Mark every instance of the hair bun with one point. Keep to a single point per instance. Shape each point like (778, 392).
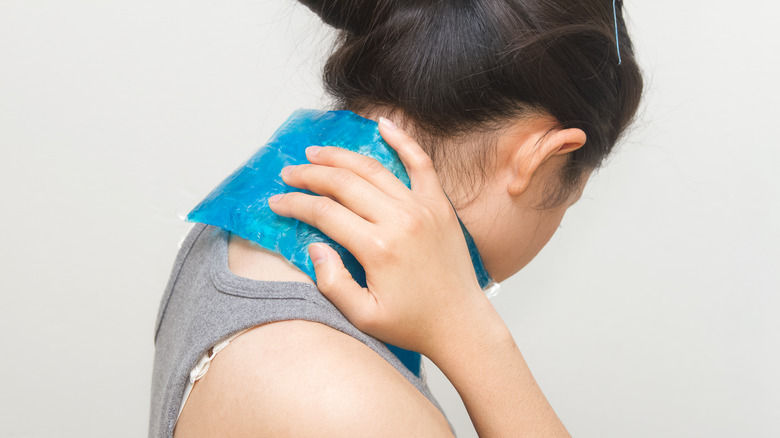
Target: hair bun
(356, 16)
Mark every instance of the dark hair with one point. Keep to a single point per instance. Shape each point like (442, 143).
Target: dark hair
(459, 67)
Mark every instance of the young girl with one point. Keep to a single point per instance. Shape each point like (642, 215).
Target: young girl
(504, 108)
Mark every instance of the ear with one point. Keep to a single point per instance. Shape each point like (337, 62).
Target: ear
(536, 150)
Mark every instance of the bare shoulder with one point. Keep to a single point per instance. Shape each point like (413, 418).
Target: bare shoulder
(250, 260)
(299, 378)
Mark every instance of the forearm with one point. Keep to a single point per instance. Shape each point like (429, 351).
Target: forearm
(484, 364)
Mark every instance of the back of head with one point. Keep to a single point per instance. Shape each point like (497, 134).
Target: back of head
(457, 68)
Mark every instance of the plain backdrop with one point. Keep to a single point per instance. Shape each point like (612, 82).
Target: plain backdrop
(653, 312)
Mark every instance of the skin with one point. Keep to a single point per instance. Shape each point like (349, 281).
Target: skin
(507, 228)
(264, 380)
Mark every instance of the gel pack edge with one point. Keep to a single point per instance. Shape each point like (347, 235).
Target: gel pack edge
(239, 204)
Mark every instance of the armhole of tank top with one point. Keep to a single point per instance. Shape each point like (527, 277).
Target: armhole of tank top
(227, 282)
(201, 368)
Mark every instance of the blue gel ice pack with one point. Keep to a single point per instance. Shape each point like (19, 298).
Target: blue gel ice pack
(240, 203)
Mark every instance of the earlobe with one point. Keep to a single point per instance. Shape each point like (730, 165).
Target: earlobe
(519, 184)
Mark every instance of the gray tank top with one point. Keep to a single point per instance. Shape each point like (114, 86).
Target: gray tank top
(205, 303)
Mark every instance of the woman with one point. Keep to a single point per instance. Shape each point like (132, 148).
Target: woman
(505, 108)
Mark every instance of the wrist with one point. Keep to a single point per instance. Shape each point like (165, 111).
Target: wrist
(469, 331)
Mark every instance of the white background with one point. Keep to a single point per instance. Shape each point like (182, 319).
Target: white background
(652, 312)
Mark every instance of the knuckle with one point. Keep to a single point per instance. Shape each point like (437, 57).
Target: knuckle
(321, 208)
(410, 222)
(423, 161)
(382, 247)
(341, 178)
(373, 167)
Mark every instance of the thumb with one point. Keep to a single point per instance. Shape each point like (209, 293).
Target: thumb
(338, 286)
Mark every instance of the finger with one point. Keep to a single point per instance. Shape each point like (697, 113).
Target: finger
(418, 164)
(336, 283)
(366, 167)
(350, 190)
(336, 221)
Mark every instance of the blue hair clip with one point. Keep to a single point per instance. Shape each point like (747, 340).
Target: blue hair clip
(617, 38)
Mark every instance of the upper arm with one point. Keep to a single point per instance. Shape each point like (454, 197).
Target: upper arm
(298, 378)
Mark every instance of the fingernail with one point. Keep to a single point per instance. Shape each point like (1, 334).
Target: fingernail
(286, 170)
(387, 122)
(275, 198)
(312, 150)
(317, 254)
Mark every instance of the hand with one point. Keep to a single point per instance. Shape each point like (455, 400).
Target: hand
(419, 274)
(422, 293)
